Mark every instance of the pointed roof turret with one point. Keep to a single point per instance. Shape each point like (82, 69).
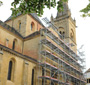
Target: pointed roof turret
(52, 17)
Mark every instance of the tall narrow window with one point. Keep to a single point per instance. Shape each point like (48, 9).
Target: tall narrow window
(19, 26)
(10, 70)
(32, 77)
(13, 47)
(14, 44)
(32, 26)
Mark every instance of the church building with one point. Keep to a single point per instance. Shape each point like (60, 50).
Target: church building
(32, 54)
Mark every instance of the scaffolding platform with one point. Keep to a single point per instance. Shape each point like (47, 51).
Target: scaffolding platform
(60, 41)
(55, 56)
(53, 68)
(53, 79)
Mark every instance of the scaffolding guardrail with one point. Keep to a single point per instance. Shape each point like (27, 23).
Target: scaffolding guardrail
(51, 45)
(62, 65)
(60, 71)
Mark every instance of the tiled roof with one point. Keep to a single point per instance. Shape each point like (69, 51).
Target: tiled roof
(10, 28)
(88, 71)
(34, 15)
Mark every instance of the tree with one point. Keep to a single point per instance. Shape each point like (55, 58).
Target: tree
(86, 10)
(1, 3)
(35, 6)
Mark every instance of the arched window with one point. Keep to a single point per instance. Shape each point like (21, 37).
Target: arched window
(32, 26)
(10, 70)
(62, 32)
(14, 44)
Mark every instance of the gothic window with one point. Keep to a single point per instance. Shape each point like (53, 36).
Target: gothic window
(10, 70)
(32, 26)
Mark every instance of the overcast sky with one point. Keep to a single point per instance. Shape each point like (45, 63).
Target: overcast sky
(83, 24)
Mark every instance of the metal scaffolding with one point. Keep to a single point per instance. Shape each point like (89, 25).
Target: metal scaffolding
(57, 62)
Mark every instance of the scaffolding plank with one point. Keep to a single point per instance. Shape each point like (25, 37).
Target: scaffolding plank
(65, 45)
(57, 69)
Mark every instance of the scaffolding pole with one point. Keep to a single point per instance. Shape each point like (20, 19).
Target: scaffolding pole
(60, 67)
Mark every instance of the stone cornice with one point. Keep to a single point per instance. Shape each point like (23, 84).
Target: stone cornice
(4, 48)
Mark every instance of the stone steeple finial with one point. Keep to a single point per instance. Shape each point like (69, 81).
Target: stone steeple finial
(51, 17)
(66, 10)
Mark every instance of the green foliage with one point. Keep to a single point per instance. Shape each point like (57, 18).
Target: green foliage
(86, 10)
(1, 3)
(35, 6)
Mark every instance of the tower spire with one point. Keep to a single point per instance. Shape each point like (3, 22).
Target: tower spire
(66, 10)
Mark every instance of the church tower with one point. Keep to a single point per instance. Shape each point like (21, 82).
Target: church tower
(25, 24)
(66, 26)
